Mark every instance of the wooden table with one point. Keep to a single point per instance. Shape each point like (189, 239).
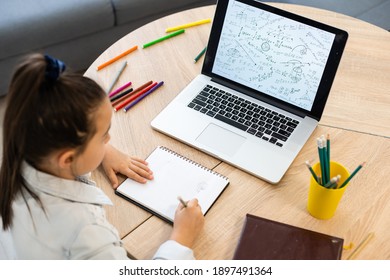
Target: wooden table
(357, 117)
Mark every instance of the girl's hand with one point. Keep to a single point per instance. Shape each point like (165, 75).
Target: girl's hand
(188, 223)
(134, 168)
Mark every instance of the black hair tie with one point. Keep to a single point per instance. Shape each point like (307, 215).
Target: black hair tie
(54, 68)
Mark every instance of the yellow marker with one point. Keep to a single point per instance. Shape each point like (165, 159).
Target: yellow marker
(199, 22)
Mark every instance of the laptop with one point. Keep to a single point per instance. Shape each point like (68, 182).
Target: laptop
(264, 83)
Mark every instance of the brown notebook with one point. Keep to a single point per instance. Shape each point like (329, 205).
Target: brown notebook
(263, 239)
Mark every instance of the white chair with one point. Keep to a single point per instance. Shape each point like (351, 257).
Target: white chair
(7, 251)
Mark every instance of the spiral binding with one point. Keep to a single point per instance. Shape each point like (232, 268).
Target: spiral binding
(193, 162)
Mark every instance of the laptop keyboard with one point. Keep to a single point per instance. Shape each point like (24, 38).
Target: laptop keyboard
(243, 114)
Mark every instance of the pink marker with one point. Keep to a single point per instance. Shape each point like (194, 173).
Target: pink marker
(119, 89)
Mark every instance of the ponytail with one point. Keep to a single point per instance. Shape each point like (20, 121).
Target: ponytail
(47, 110)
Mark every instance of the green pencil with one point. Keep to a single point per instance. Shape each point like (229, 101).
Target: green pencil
(333, 182)
(328, 152)
(353, 174)
(163, 38)
(328, 146)
(322, 162)
(326, 162)
(312, 172)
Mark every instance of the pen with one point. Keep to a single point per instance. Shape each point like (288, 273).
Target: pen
(119, 89)
(200, 55)
(133, 97)
(182, 201)
(199, 22)
(116, 102)
(163, 38)
(143, 96)
(116, 58)
(353, 174)
(116, 97)
(117, 76)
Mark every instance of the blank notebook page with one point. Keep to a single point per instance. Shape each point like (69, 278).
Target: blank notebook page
(174, 176)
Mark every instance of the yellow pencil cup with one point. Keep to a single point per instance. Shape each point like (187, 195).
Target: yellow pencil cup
(322, 202)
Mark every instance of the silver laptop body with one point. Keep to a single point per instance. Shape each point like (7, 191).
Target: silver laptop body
(277, 64)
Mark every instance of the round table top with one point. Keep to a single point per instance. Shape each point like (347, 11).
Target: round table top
(356, 115)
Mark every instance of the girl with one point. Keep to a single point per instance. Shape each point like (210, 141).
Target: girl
(56, 130)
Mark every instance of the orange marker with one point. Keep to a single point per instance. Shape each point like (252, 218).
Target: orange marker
(116, 58)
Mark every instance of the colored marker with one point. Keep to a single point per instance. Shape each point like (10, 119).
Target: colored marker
(353, 174)
(116, 102)
(191, 24)
(119, 89)
(120, 95)
(116, 58)
(117, 76)
(200, 55)
(163, 38)
(133, 97)
(143, 96)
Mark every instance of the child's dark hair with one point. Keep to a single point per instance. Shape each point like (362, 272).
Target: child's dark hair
(45, 112)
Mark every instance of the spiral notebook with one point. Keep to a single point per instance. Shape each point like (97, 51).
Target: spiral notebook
(174, 175)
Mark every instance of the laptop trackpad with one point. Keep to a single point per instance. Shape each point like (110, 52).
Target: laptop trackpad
(221, 139)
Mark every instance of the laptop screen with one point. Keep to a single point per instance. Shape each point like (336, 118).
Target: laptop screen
(275, 53)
